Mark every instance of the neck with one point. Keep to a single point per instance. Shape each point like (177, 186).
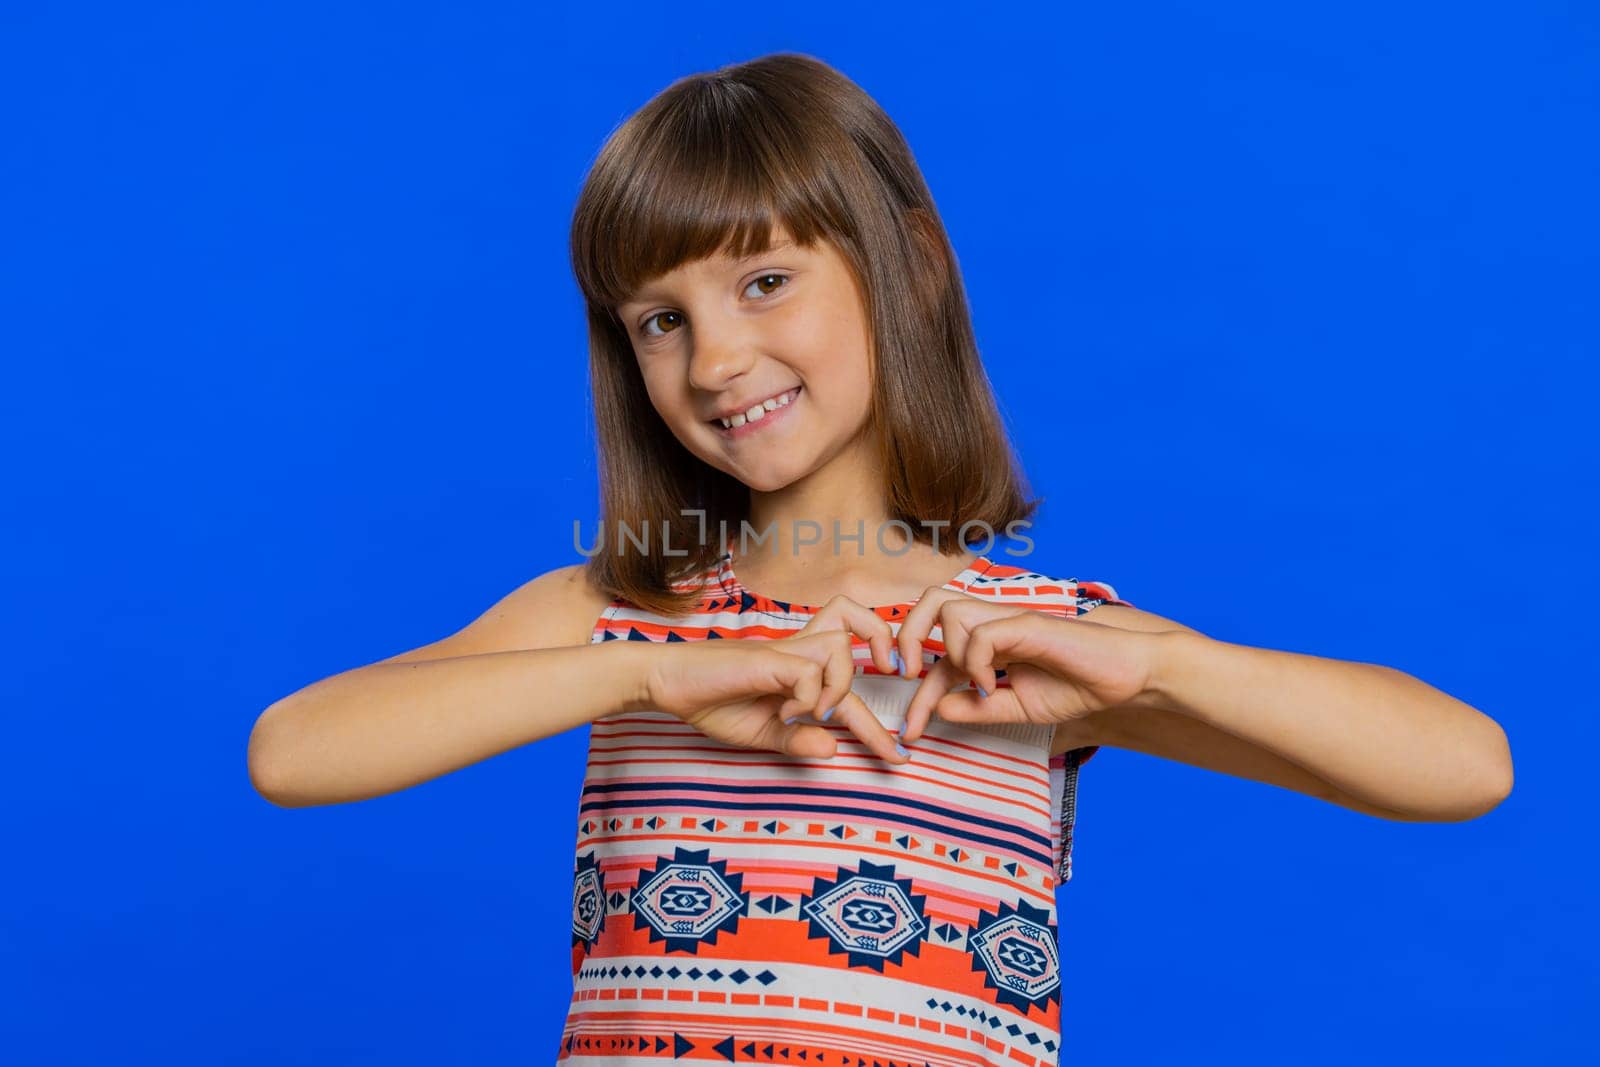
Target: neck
(834, 522)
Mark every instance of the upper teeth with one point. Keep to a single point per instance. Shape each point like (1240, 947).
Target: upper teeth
(757, 412)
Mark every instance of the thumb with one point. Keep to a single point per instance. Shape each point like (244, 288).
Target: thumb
(805, 740)
(965, 705)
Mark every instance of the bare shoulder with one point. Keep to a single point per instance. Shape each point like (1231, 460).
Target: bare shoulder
(556, 609)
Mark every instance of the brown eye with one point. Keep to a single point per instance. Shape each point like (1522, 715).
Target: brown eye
(645, 329)
(780, 279)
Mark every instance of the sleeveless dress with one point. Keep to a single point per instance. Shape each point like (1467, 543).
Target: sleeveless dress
(735, 905)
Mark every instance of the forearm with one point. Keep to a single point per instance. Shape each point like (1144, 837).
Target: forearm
(1376, 733)
(386, 727)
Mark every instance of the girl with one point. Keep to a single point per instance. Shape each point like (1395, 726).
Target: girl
(814, 830)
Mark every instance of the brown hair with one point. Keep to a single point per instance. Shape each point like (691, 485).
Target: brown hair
(710, 163)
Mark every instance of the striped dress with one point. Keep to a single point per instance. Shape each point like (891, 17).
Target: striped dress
(733, 905)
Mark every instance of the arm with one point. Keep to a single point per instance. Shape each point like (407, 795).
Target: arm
(487, 689)
(1361, 735)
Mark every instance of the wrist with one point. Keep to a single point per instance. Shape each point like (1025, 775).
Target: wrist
(1172, 662)
(631, 670)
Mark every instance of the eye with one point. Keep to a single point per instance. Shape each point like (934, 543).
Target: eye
(778, 281)
(645, 326)
(780, 278)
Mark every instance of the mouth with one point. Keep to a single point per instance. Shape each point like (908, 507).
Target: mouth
(762, 416)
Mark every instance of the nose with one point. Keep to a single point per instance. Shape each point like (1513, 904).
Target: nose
(719, 356)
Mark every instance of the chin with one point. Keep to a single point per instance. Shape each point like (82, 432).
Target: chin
(771, 477)
(767, 485)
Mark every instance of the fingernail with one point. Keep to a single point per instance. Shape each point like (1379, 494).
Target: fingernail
(894, 660)
(786, 722)
(982, 692)
(900, 731)
(901, 749)
(825, 714)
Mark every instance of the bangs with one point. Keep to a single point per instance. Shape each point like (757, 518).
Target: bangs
(713, 169)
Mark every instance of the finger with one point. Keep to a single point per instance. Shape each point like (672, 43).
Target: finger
(875, 630)
(797, 676)
(952, 635)
(856, 717)
(918, 626)
(961, 616)
(941, 678)
(1023, 637)
(883, 649)
(915, 629)
(838, 672)
(979, 652)
(965, 705)
(855, 618)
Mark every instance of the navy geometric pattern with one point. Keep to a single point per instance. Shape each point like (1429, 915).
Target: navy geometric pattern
(739, 976)
(868, 914)
(588, 901)
(687, 900)
(1016, 950)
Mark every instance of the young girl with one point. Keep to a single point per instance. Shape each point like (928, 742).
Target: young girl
(834, 747)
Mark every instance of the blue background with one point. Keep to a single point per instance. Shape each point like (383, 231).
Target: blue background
(1292, 315)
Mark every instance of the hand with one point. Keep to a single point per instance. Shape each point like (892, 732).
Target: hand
(836, 621)
(1057, 669)
(739, 691)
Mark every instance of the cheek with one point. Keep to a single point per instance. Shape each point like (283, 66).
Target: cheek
(846, 374)
(831, 344)
(665, 391)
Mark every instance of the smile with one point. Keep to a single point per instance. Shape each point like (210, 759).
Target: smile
(770, 410)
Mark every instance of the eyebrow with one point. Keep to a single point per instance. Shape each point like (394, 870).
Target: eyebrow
(647, 294)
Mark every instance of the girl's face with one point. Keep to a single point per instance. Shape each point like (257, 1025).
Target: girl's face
(784, 331)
